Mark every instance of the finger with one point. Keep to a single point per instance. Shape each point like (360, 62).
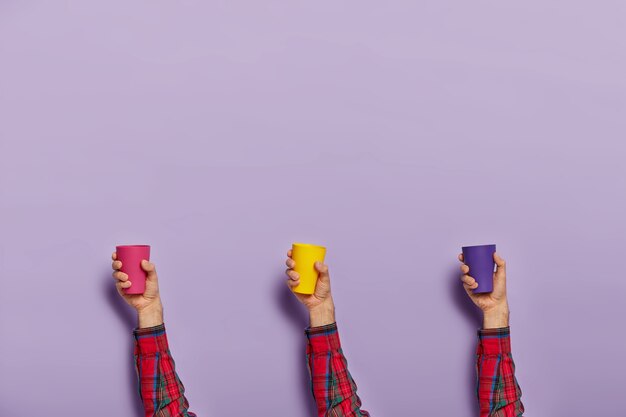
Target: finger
(289, 253)
(116, 265)
(149, 268)
(114, 256)
(461, 258)
(120, 276)
(290, 263)
(464, 269)
(468, 280)
(322, 268)
(501, 263)
(123, 285)
(499, 277)
(292, 284)
(470, 289)
(293, 275)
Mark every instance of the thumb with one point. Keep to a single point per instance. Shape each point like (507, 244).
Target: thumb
(322, 287)
(499, 277)
(500, 266)
(150, 270)
(322, 268)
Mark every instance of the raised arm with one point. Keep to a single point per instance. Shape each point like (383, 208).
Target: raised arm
(162, 392)
(499, 394)
(332, 385)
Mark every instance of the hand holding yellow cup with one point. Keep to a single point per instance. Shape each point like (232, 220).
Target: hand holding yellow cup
(305, 256)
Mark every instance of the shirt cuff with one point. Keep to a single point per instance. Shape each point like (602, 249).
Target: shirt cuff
(494, 341)
(323, 338)
(150, 340)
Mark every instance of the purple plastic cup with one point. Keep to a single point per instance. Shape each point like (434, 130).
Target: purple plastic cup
(481, 265)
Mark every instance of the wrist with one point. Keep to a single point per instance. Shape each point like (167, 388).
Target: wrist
(323, 314)
(496, 317)
(150, 316)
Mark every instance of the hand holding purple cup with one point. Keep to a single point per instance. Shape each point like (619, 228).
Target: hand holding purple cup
(481, 265)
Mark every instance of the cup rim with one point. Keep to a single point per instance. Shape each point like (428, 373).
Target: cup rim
(308, 245)
(132, 246)
(478, 246)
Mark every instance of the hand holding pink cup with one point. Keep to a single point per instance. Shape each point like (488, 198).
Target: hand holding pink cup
(131, 257)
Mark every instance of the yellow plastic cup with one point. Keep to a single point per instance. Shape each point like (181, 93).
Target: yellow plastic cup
(305, 256)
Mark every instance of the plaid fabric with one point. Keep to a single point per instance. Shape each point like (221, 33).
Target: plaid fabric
(160, 389)
(332, 385)
(333, 388)
(499, 394)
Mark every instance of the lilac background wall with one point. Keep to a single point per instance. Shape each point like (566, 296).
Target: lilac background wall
(220, 132)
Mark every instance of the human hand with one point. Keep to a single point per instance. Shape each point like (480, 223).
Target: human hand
(319, 304)
(494, 305)
(148, 305)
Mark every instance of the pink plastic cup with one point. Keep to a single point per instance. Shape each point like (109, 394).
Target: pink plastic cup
(131, 257)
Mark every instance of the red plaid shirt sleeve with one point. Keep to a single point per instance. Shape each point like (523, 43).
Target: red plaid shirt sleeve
(160, 389)
(499, 394)
(333, 388)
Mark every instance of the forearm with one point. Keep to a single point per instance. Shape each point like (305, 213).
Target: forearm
(322, 315)
(497, 317)
(161, 390)
(151, 316)
(499, 393)
(334, 390)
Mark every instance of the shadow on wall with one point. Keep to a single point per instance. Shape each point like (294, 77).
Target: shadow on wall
(127, 316)
(297, 316)
(474, 319)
